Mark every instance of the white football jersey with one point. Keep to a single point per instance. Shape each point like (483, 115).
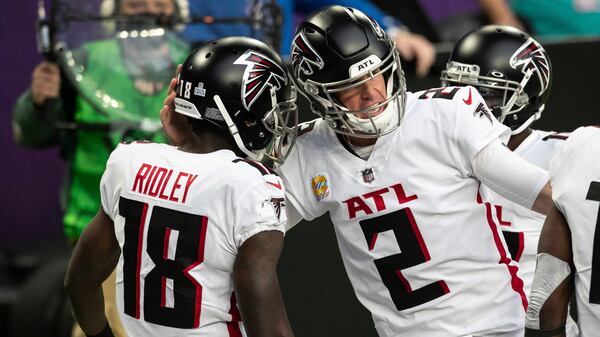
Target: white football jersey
(180, 219)
(575, 173)
(521, 226)
(421, 250)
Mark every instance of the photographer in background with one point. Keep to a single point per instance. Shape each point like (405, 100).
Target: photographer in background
(117, 85)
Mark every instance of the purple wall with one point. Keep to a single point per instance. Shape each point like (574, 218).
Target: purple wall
(438, 10)
(29, 179)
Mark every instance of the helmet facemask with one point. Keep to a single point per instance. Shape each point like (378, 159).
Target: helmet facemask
(353, 122)
(246, 95)
(504, 97)
(279, 121)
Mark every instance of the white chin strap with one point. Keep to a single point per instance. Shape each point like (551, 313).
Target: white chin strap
(234, 131)
(377, 124)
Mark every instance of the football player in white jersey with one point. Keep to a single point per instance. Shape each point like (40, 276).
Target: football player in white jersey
(196, 230)
(513, 74)
(569, 246)
(399, 174)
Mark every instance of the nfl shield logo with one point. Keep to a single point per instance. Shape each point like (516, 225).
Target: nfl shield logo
(199, 90)
(368, 175)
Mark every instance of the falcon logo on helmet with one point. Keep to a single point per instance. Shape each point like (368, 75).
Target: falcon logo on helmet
(304, 57)
(260, 72)
(532, 57)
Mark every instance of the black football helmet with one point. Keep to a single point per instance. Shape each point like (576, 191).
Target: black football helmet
(241, 85)
(510, 69)
(339, 48)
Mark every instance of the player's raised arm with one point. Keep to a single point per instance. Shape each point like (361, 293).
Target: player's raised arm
(553, 282)
(492, 59)
(257, 287)
(94, 258)
(543, 202)
(513, 177)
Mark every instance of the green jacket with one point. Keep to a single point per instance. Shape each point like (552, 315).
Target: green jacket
(88, 149)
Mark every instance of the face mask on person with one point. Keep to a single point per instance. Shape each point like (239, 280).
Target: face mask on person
(142, 21)
(146, 56)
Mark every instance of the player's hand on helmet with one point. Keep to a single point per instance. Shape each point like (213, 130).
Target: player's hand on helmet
(45, 82)
(415, 47)
(176, 126)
